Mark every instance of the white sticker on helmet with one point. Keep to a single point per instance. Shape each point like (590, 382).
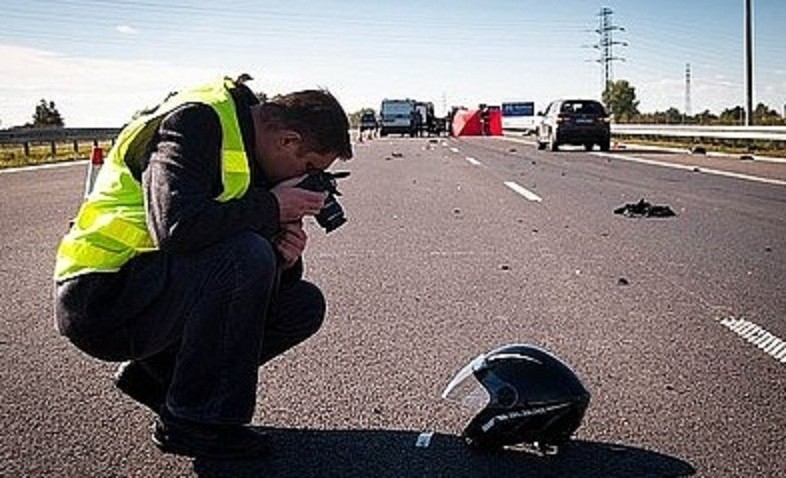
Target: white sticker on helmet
(530, 412)
(424, 439)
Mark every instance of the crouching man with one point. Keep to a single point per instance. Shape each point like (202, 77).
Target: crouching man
(185, 260)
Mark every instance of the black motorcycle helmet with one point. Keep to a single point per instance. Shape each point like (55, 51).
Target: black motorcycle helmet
(524, 395)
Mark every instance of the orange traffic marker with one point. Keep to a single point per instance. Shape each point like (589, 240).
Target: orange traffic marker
(96, 161)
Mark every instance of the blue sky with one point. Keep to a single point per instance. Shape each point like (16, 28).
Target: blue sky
(101, 60)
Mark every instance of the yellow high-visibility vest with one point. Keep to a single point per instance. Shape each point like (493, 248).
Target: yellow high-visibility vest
(111, 225)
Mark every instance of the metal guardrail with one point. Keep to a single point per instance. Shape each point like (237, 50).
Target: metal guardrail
(771, 133)
(54, 136)
(767, 133)
(45, 135)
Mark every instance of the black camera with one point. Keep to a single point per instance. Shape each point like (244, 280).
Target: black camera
(331, 216)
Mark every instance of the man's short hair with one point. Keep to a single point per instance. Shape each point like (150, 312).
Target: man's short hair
(316, 115)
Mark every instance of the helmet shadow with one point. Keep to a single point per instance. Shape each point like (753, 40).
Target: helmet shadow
(393, 453)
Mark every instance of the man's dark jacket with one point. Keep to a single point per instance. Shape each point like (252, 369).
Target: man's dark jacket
(180, 171)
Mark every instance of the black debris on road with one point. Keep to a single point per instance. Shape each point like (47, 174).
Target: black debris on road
(644, 209)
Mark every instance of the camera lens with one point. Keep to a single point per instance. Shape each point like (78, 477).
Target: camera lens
(331, 216)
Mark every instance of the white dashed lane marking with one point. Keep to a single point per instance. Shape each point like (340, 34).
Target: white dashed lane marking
(529, 195)
(472, 161)
(758, 336)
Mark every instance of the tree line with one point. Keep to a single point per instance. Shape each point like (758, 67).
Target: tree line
(620, 99)
(46, 116)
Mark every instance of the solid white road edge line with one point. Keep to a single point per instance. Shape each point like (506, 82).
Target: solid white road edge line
(716, 172)
(523, 191)
(62, 164)
(758, 336)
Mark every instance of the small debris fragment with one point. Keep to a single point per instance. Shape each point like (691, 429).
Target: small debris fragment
(396, 154)
(746, 157)
(512, 150)
(534, 231)
(504, 267)
(698, 150)
(768, 249)
(456, 211)
(623, 281)
(377, 410)
(696, 170)
(644, 209)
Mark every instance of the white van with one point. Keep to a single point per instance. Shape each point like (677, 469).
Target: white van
(397, 117)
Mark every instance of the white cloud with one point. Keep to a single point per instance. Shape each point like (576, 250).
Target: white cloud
(126, 30)
(87, 91)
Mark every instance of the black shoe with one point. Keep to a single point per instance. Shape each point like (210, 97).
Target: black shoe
(201, 440)
(137, 383)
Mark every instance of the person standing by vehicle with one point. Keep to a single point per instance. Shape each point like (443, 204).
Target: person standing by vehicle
(185, 260)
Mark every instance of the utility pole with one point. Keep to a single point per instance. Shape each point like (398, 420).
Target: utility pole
(444, 103)
(606, 44)
(748, 63)
(688, 112)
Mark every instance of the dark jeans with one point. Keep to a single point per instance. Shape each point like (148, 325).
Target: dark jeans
(201, 324)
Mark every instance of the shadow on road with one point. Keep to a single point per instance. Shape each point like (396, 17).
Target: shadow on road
(387, 453)
(633, 149)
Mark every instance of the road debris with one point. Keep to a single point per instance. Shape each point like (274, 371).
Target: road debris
(644, 209)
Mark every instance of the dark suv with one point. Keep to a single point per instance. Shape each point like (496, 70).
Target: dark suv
(577, 122)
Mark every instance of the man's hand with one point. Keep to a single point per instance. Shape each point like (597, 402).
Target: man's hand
(290, 242)
(295, 202)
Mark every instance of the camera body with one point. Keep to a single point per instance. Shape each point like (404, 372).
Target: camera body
(331, 217)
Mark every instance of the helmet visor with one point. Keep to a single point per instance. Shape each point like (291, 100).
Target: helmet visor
(465, 388)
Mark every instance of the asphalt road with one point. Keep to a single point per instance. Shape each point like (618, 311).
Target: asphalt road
(444, 258)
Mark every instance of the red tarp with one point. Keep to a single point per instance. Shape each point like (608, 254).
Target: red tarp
(470, 122)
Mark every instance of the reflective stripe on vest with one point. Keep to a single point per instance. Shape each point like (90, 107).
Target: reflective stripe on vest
(111, 226)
